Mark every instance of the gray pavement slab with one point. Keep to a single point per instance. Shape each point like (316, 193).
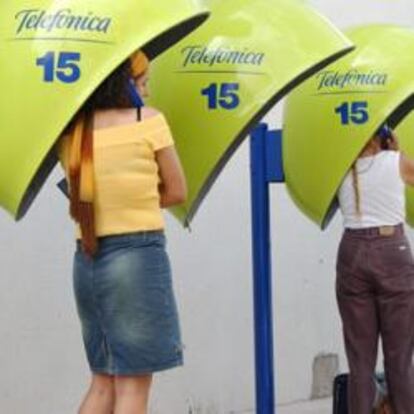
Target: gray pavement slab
(322, 406)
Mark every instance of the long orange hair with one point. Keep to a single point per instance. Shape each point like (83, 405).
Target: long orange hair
(81, 180)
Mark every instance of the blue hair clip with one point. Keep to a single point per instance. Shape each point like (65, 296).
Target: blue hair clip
(384, 132)
(385, 135)
(134, 95)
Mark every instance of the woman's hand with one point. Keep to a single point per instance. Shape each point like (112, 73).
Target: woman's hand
(393, 143)
(173, 187)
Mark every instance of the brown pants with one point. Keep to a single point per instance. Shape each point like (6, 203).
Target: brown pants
(375, 293)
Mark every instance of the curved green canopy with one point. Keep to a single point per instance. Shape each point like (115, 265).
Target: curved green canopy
(405, 134)
(53, 55)
(218, 82)
(329, 119)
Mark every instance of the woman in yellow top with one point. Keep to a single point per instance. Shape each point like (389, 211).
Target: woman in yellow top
(122, 170)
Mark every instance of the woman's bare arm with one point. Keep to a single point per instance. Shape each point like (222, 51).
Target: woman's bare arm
(407, 169)
(406, 163)
(173, 187)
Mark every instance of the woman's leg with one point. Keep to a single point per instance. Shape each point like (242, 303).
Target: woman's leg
(100, 398)
(357, 306)
(360, 331)
(132, 394)
(396, 304)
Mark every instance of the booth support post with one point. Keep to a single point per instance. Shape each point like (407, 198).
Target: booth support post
(265, 167)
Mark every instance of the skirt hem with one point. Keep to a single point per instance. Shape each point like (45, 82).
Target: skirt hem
(141, 371)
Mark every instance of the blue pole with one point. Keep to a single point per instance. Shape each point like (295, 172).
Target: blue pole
(262, 286)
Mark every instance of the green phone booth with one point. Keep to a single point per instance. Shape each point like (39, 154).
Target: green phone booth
(218, 82)
(329, 118)
(54, 54)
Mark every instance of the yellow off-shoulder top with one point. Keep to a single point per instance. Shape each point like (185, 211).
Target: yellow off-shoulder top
(126, 175)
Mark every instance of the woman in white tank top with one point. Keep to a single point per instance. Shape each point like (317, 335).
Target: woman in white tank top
(375, 275)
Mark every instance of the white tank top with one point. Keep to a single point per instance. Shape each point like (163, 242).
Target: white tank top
(381, 189)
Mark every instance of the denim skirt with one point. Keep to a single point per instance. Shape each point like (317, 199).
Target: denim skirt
(126, 305)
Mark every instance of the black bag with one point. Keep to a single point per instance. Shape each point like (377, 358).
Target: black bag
(340, 394)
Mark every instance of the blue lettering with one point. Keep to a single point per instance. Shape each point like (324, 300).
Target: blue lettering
(33, 19)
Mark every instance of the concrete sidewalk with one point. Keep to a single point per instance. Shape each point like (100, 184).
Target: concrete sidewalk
(323, 406)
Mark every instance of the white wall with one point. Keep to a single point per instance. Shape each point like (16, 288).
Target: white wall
(41, 355)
